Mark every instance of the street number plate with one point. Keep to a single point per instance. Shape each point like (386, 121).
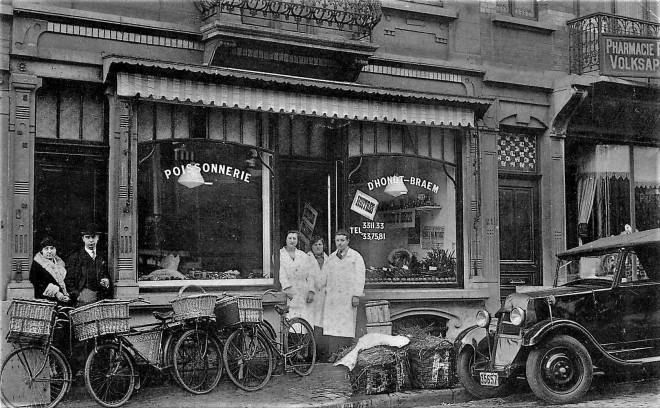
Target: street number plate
(489, 379)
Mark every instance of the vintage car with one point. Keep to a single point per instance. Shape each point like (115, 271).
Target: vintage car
(601, 315)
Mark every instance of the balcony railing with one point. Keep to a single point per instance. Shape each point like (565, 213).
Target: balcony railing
(585, 33)
(356, 16)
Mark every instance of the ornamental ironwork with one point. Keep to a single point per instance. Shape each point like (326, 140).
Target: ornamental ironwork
(356, 16)
(585, 33)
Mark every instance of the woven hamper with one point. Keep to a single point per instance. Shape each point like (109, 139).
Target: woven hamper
(380, 370)
(432, 365)
(30, 320)
(108, 316)
(239, 309)
(194, 306)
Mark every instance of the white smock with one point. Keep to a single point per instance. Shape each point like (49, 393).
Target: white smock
(345, 279)
(320, 281)
(296, 279)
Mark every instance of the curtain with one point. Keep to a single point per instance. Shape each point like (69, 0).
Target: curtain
(586, 193)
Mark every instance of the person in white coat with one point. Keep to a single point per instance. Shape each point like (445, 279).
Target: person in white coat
(318, 257)
(297, 279)
(345, 273)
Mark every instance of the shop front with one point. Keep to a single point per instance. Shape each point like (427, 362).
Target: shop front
(204, 178)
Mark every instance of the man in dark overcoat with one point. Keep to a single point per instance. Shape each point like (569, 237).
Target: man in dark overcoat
(88, 279)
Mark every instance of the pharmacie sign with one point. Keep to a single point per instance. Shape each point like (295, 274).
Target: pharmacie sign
(629, 56)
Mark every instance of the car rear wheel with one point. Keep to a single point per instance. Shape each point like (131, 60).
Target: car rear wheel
(470, 379)
(560, 371)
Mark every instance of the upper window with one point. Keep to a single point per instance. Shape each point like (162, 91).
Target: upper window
(518, 8)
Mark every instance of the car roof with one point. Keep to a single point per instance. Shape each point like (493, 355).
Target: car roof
(607, 244)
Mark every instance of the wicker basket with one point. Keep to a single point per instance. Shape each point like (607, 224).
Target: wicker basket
(147, 344)
(379, 370)
(432, 365)
(107, 316)
(30, 320)
(194, 306)
(239, 309)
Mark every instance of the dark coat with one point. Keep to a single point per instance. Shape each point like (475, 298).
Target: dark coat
(85, 272)
(41, 278)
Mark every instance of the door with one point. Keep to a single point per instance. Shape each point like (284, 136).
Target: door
(306, 194)
(519, 234)
(70, 192)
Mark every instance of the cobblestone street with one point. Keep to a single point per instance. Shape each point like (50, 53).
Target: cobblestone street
(604, 394)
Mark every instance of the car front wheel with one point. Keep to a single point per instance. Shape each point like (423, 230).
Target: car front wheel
(470, 379)
(560, 371)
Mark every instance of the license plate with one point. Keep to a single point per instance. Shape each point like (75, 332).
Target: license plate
(489, 379)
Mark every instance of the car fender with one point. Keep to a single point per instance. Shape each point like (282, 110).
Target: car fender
(542, 330)
(473, 336)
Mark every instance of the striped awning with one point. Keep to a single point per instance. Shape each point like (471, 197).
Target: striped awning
(159, 87)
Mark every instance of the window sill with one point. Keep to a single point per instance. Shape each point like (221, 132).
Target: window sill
(523, 24)
(205, 283)
(418, 8)
(435, 294)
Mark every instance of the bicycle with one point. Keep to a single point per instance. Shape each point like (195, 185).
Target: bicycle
(250, 351)
(37, 373)
(188, 350)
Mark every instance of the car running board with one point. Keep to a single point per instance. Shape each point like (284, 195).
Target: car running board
(645, 360)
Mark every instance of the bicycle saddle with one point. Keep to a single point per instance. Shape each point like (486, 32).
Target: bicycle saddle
(282, 309)
(162, 316)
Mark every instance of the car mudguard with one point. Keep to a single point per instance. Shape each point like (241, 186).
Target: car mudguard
(473, 336)
(547, 328)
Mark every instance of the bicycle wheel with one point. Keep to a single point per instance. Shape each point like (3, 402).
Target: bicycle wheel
(168, 355)
(300, 346)
(248, 359)
(33, 378)
(109, 375)
(197, 361)
(268, 330)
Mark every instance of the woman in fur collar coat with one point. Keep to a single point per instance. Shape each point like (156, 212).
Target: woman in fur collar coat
(47, 274)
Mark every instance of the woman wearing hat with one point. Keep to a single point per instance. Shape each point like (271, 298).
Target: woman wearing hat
(48, 272)
(88, 279)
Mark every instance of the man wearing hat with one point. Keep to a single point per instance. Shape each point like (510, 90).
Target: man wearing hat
(87, 277)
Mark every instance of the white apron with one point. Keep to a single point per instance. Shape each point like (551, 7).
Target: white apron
(345, 279)
(296, 278)
(319, 284)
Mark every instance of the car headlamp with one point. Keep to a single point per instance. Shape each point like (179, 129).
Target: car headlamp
(483, 318)
(517, 316)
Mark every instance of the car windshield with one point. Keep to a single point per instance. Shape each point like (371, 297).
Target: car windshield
(588, 267)
(640, 264)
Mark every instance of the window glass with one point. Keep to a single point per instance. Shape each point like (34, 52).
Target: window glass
(201, 211)
(517, 8)
(402, 216)
(647, 187)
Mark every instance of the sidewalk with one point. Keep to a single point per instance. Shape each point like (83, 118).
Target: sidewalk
(327, 387)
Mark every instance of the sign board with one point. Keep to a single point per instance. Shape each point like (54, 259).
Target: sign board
(365, 205)
(308, 223)
(624, 56)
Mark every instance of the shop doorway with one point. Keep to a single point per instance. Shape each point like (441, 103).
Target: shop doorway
(520, 249)
(306, 200)
(70, 191)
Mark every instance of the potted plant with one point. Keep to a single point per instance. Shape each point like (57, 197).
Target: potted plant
(442, 261)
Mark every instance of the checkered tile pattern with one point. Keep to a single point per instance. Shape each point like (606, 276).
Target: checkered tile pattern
(517, 152)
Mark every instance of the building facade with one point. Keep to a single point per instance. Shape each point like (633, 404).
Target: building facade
(446, 136)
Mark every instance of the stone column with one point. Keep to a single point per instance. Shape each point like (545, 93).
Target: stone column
(21, 178)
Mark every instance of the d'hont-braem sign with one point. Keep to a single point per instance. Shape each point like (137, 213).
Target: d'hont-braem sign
(629, 56)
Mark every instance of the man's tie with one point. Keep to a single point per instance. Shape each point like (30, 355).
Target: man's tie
(93, 254)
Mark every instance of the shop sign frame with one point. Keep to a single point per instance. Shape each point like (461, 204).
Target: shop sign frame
(618, 59)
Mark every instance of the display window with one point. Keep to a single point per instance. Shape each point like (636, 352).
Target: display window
(203, 208)
(402, 211)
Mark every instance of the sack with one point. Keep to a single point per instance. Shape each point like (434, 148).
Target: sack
(87, 296)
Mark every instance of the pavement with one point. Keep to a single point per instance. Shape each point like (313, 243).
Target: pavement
(327, 386)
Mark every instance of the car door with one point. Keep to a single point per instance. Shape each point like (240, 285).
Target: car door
(637, 298)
